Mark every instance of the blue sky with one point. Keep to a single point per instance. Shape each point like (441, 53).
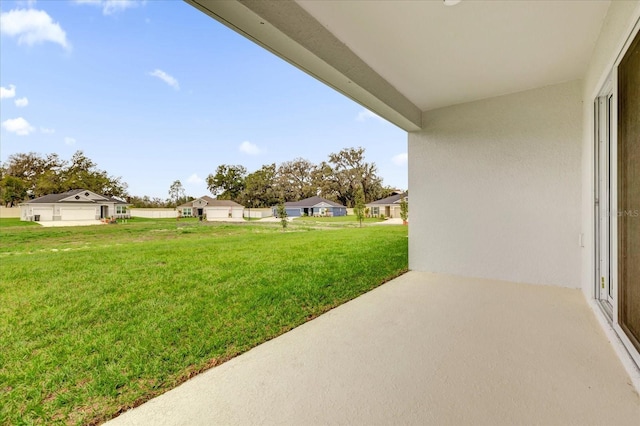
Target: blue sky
(155, 91)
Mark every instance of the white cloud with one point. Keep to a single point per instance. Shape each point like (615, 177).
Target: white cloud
(47, 131)
(32, 26)
(110, 7)
(249, 148)
(400, 159)
(7, 92)
(69, 141)
(22, 102)
(19, 126)
(194, 178)
(171, 81)
(365, 114)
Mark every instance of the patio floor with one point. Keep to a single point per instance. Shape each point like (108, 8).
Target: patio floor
(421, 349)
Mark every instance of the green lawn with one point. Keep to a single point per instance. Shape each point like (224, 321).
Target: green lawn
(6, 222)
(94, 320)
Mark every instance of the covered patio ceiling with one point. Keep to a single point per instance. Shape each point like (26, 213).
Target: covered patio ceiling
(400, 58)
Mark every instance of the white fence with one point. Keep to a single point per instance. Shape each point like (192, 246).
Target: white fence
(154, 213)
(7, 212)
(257, 213)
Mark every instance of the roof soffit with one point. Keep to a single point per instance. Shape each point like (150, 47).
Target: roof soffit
(400, 58)
(440, 56)
(287, 30)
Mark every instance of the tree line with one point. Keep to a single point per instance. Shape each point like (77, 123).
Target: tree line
(343, 177)
(339, 179)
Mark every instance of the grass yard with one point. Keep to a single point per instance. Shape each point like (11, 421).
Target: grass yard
(15, 221)
(94, 320)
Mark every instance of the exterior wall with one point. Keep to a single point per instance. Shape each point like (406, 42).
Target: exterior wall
(217, 212)
(43, 214)
(617, 26)
(45, 211)
(292, 212)
(154, 213)
(495, 188)
(188, 211)
(9, 212)
(393, 209)
(339, 211)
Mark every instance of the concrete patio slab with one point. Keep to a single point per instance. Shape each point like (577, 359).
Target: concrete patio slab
(421, 349)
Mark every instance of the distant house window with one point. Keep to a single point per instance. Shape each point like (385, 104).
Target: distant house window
(375, 211)
(186, 211)
(121, 209)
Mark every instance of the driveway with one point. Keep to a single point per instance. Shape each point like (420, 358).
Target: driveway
(58, 223)
(392, 221)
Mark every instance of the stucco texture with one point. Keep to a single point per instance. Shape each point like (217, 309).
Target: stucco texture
(495, 188)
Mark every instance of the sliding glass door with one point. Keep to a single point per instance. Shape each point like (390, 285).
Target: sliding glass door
(628, 191)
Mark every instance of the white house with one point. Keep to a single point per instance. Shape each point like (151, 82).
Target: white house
(77, 204)
(523, 130)
(212, 208)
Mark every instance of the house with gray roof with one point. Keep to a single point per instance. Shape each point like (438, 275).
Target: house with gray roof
(389, 206)
(312, 206)
(212, 208)
(77, 204)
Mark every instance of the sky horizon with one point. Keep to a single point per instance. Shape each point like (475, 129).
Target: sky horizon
(155, 92)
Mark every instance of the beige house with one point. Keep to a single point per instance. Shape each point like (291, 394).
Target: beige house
(212, 208)
(389, 206)
(77, 204)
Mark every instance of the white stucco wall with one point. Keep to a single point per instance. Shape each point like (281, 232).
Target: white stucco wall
(496, 188)
(620, 20)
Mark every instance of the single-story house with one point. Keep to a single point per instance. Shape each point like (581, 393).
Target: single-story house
(389, 206)
(522, 120)
(211, 208)
(312, 206)
(77, 204)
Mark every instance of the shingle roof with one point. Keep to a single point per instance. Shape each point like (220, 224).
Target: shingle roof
(390, 200)
(55, 198)
(212, 202)
(117, 201)
(312, 201)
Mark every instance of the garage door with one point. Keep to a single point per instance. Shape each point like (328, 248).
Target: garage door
(45, 214)
(218, 213)
(237, 213)
(78, 213)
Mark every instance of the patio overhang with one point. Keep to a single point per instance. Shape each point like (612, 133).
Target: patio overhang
(401, 61)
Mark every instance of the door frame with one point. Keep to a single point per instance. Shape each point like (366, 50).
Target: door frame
(610, 87)
(605, 169)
